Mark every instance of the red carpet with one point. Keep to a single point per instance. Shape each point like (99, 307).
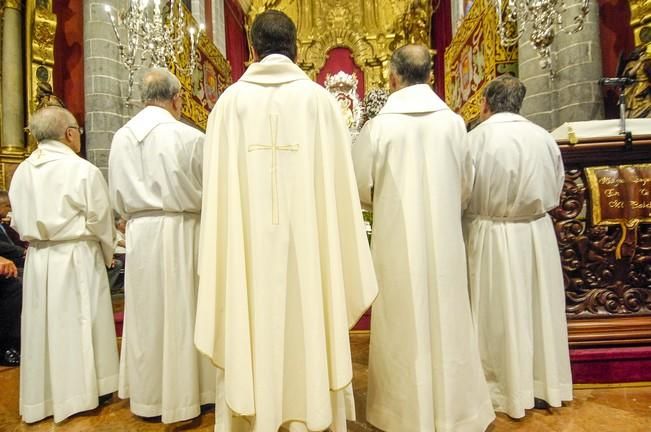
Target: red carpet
(364, 322)
(611, 365)
(119, 322)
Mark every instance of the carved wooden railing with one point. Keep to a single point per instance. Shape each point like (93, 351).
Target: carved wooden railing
(608, 299)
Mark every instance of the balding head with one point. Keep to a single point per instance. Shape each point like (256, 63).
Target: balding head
(51, 123)
(161, 88)
(410, 64)
(159, 85)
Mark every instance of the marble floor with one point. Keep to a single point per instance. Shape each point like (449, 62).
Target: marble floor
(615, 409)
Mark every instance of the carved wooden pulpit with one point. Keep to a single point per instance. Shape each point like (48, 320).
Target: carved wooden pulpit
(603, 226)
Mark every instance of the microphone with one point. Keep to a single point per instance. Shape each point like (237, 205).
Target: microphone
(620, 81)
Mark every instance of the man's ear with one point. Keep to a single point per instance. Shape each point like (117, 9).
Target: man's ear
(177, 105)
(393, 81)
(484, 109)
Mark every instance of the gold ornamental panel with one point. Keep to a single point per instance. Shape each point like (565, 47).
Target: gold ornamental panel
(371, 29)
(641, 21)
(475, 56)
(637, 65)
(209, 79)
(39, 27)
(41, 24)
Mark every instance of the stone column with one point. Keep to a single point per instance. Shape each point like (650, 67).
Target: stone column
(13, 96)
(105, 82)
(573, 94)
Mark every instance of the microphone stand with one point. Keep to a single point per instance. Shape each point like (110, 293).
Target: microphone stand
(628, 136)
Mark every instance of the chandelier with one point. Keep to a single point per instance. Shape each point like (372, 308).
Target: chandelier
(154, 36)
(544, 17)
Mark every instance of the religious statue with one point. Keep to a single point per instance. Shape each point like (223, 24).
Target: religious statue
(45, 96)
(638, 96)
(343, 87)
(414, 25)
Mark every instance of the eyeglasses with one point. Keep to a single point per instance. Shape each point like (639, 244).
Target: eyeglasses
(79, 128)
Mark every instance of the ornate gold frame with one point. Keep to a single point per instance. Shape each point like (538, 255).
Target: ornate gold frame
(192, 109)
(640, 20)
(482, 15)
(371, 29)
(39, 29)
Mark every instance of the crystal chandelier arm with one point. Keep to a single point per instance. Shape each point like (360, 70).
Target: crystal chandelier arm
(579, 20)
(154, 34)
(507, 21)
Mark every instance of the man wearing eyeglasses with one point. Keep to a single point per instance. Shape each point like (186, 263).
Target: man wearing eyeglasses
(60, 205)
(155, 184)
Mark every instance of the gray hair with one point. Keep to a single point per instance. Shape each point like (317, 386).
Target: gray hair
(50, 123)
(159, 85)
(412, 63)
(505, 94)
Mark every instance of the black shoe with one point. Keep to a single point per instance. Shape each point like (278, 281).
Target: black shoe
(540, 404)
(104, 399)
(10, 357)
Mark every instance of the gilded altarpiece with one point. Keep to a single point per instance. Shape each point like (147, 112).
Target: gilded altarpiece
(371, 29)
(474, 57)
(37, 36)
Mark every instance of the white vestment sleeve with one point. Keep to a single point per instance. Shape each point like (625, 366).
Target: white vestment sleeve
(99, 216)
(113, 180)
(363, 161)
(467, 173)
(196, 160)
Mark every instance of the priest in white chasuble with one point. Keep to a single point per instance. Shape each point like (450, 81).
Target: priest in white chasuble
(155, 179)
(516, 282)
(285, 268)
(412, 170)
(61, 206)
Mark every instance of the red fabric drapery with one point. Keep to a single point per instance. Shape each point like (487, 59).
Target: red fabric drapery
(440, 37)
(616, 39)
(68, 70)
(341, 59)
(68, 79)
(237, 47)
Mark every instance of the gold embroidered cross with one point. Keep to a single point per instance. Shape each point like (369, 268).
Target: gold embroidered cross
(274, 147)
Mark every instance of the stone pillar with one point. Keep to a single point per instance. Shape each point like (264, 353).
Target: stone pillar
(13, 73)
(105, 81)
(573, 94)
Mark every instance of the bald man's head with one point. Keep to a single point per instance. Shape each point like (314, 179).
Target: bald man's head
(412, 64)
(159, 85)
(51, 123)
